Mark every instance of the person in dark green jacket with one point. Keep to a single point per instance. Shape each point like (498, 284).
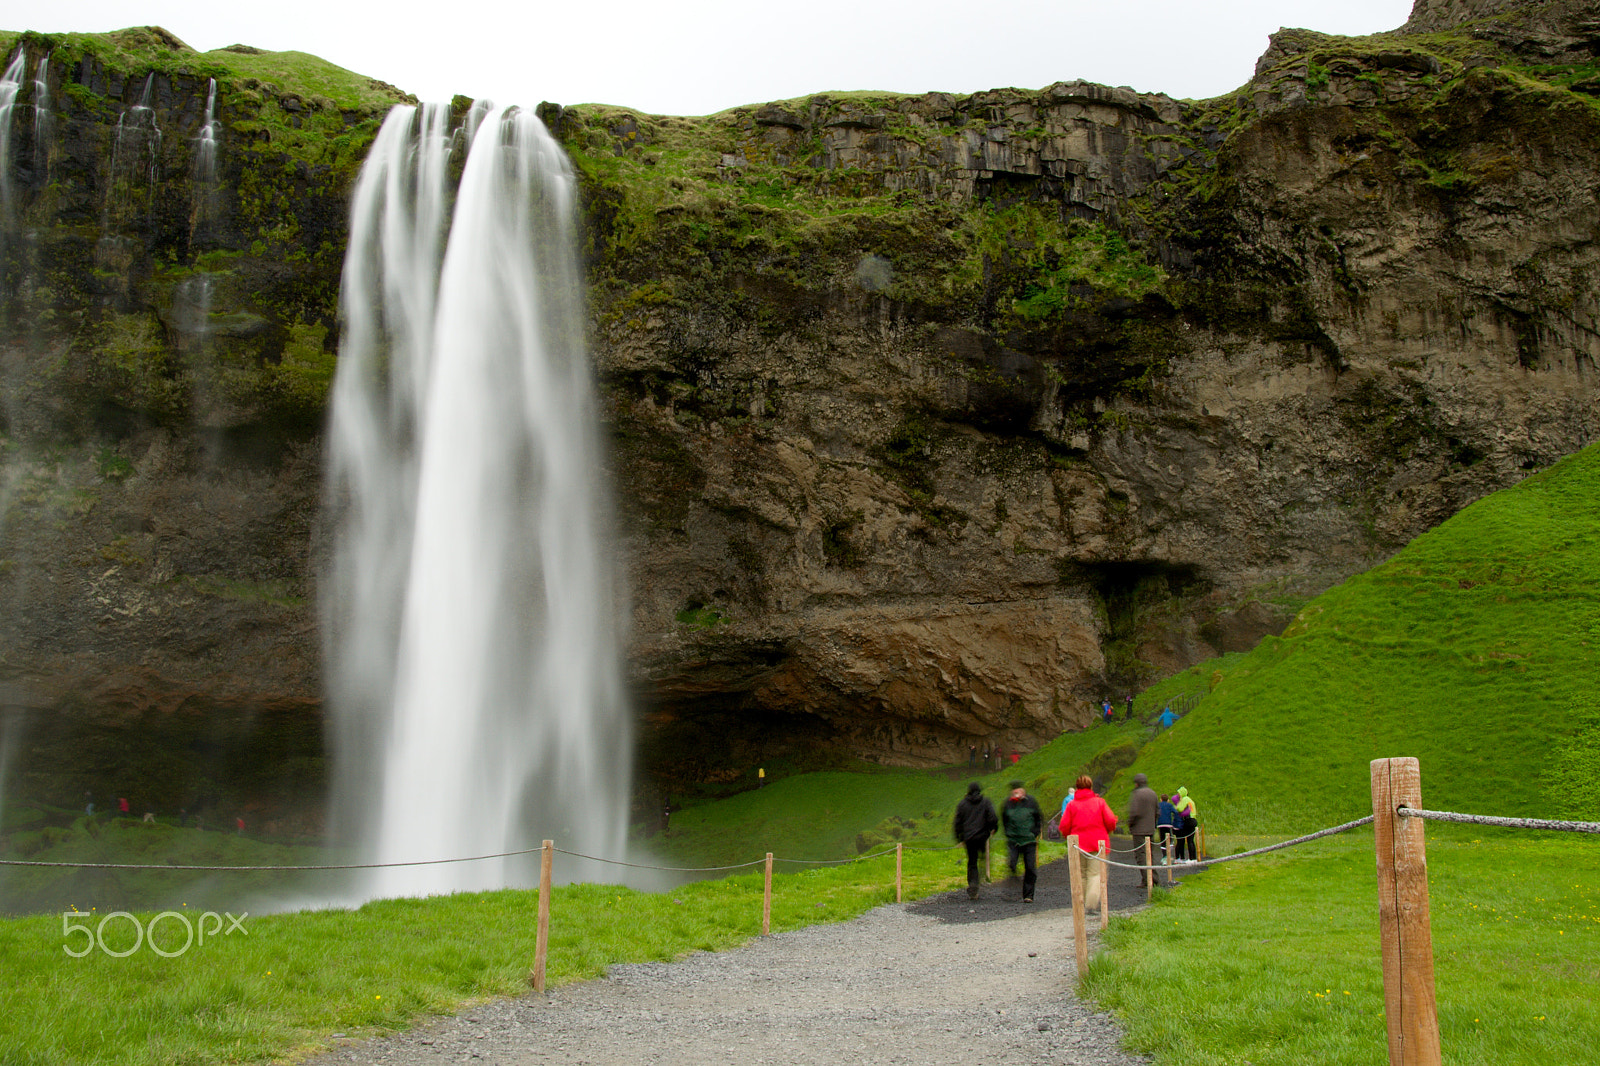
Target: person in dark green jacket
(1022, 821)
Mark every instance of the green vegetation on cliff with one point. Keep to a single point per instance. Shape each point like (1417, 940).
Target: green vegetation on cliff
(193, 300)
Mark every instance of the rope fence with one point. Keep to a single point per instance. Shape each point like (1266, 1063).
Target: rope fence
(467, 858)
(1544, 824)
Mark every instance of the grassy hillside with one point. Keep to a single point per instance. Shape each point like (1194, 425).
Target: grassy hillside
(1475, 649)
(828, 815)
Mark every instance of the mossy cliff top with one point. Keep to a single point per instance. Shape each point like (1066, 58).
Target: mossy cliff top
(1077, 223)
(151, 49)
(181, 299)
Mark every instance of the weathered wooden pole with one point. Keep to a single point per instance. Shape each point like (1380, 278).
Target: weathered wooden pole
(1150, 874)
(1410, 1011)
(541, 946)
(1171, 836)
(766, 900)
(1080, 935)
(1105, 886)
(898, 867)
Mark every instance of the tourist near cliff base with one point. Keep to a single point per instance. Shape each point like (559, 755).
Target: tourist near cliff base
(1023, 823)
(1090, 819)
(1143, 813)
(974, 822)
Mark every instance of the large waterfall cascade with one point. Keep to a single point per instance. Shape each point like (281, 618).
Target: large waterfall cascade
(470, 606)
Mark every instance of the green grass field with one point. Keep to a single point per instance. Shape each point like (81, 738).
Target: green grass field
(287, 981)
(1275, 960)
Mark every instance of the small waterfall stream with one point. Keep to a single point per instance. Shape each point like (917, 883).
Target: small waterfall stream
(43, 121)
(193, 296)
(474, 669)
(135, 160)
(204, 210)
(10, 82)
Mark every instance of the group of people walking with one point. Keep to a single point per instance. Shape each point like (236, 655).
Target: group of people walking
(1084, 814)
(1158, 819)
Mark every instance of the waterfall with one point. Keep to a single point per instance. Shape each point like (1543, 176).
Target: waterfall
(10, 82)
(205, 168)
(470, 607)
(135, 156)
(43, 122)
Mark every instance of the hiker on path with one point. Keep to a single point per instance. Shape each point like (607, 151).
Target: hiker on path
(1188, 825)
(1105, 710)
(1167, 822)
(1129, 716)
(1167, 718)
(1091, 821)
(975, 820)
(972, 754)
(1023, 821)
(1144, 809)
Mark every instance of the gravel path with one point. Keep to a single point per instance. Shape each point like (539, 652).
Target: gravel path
(940, 981)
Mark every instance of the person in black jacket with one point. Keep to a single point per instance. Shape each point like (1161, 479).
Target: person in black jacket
(975, 820)
(1023, 822)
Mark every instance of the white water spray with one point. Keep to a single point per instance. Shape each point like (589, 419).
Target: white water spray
(473, 659)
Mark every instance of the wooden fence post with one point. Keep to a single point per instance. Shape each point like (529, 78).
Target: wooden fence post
(898, 859)
(1150, 874)
(1170, 838)
(988, 860)
(766, 900)
(1105, 885)
(1410, 1011)
(541, 947)
(1080, 935)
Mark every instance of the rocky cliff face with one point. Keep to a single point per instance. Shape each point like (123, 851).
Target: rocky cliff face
(934, 455)
(166, 343)
(934, 418)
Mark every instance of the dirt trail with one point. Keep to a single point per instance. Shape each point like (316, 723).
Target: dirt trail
(944, 980)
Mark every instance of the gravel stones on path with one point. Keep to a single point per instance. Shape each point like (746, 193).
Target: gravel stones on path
(940, 981)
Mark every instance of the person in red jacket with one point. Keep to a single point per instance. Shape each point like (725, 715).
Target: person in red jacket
(1090, 819)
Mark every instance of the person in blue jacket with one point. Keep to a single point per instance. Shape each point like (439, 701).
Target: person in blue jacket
(1166, 824)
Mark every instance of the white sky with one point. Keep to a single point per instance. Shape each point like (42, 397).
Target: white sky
(701, 56)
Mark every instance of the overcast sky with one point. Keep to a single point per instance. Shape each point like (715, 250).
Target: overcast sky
(700, 56)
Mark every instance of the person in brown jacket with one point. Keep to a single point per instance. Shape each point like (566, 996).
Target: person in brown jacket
(1143, 808)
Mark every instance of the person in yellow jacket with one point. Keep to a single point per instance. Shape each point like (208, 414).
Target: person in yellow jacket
(1188, 825)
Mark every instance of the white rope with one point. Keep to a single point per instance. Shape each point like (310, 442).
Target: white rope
(1243, 854)
(1506, 823)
